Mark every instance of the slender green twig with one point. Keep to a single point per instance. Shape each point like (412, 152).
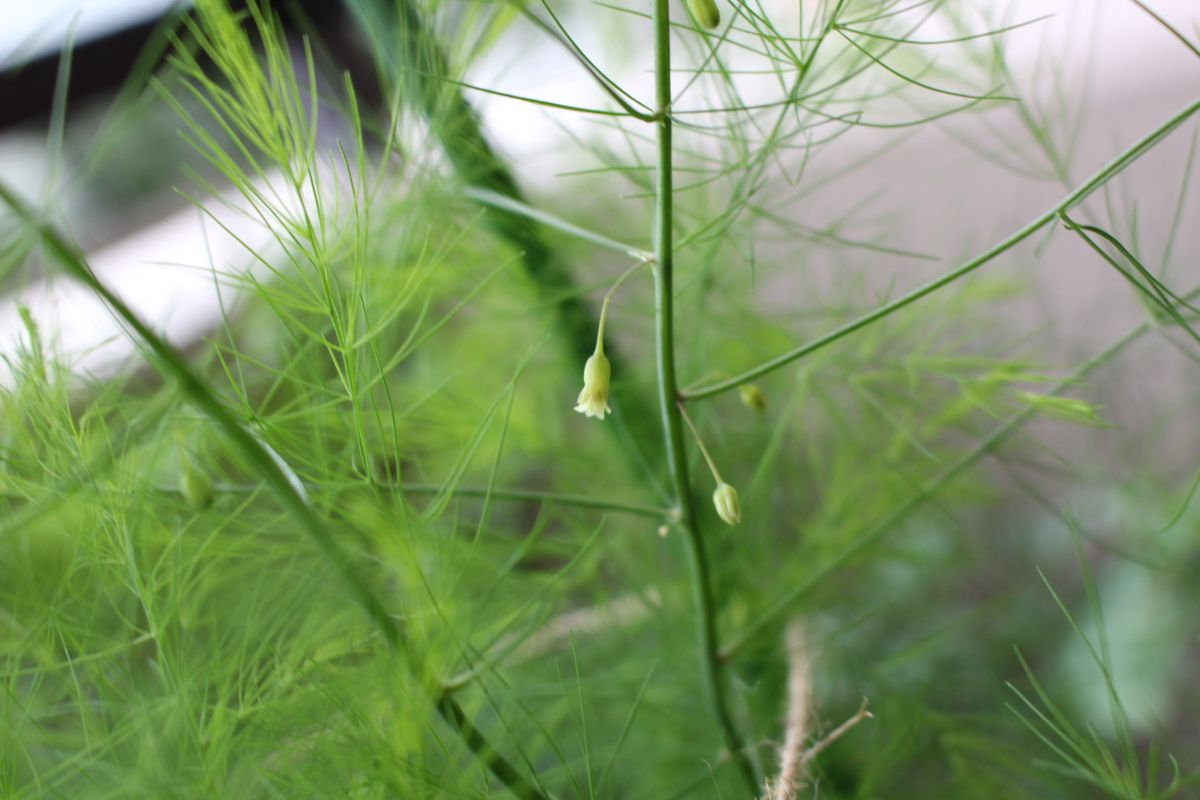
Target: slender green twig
(612, 290)
(1074, 198)
(514, 495)
(559, 33)
(1188, 43)
(712, 465)
(499, 766)
(503, 202)
(668, 396)
(529, 496)
(952, 40)
(1158, 297)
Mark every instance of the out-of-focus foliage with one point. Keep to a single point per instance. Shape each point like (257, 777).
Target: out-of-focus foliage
(169, 629)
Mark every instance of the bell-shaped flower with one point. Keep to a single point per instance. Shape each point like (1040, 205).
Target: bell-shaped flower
(705, 12)
(195, 487)
(753, 397)
(725, 498)
(593, 400)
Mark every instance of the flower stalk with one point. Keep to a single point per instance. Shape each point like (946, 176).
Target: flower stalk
(725, 497)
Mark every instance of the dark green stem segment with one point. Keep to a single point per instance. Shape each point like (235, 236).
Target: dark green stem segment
(479, 745)
(416, 64)
(711, 666)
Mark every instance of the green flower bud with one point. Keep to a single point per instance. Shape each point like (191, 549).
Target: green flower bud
(593, 400)
(753, 397)
(725, 498)
(705, 12)
(195, 485)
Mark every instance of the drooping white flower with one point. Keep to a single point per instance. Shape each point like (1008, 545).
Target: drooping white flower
(593, 399)
(725, 498)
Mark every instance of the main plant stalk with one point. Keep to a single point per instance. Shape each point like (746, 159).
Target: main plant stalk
(672, 418)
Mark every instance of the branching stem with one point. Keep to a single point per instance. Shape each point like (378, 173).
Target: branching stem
(672, 417)
(1070, 201)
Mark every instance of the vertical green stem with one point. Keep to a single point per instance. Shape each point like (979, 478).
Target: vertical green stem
(672, 419)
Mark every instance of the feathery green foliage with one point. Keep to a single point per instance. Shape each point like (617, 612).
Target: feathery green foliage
(354, 542)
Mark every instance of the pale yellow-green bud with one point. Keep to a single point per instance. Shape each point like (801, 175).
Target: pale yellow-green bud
(195, 485)
(593, 400)
(753, 397)
(725, 498)
(705, 12)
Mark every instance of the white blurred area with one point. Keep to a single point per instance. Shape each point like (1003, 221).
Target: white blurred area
(31, 28)
(174, 274)
(1128, 55)
(955, 203)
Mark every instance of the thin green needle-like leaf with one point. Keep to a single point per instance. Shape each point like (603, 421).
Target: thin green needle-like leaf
(954, 40)
(497, 493)
(626, 727)
(502, 643)
(487, 197)
(1187, 501)
(610, 87)
(535, 101)
(583, 721)
(551, 498)
(442, 499)
(1169, 298)
(58, 114)
(1102, 655)
(1178, 34)
(896, 12)
(909, 79)
(1156, 292)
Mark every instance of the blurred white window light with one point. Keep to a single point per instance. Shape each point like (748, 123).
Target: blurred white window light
(33, 28)
(167, 271)
(164, 270)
